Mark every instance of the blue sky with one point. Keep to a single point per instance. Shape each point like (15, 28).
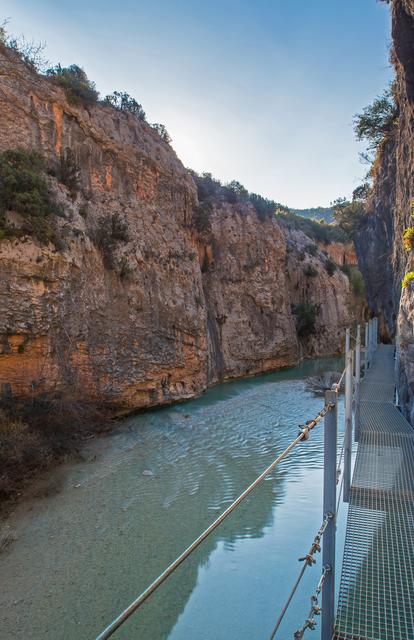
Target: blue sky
(262, 91)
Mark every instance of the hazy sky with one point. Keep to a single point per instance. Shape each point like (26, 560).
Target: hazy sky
(262, 91)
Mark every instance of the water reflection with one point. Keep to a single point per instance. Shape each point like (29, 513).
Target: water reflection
(81, 556)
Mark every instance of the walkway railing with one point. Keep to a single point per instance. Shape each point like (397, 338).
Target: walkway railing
(332, 473)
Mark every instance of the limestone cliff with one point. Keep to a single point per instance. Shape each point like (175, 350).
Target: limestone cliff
(381, 254)
(163, 310)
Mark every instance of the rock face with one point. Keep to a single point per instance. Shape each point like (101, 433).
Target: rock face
(381, 255)
(164, 310)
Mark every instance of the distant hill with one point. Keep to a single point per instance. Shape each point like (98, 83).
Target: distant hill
(317, 213)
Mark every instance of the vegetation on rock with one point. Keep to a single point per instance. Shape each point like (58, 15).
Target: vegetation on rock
(24, 191)
(408, 238)
(78, 88)
(408, 279)
(305, 316)
(124, 102)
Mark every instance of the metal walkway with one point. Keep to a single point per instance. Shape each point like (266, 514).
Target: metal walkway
(376, 596)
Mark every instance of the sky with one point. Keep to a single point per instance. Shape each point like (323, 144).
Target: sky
(261, 91)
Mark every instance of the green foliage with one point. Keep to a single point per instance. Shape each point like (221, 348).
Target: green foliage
(210, 189)
(330, 266)
(316, 213)
(23, 189)
(162, 132)
(377, 120)
(110, 230)
(348, 215)
(408, 238)
(318, 231)
(305, 316)
(408, 279)
(69, 171)
(201, 217)
(79, 89)
(356, 280)
(124, 102)
(83, 211)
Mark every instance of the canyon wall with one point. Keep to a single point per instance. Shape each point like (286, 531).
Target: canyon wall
(381, 255)
(162, 310)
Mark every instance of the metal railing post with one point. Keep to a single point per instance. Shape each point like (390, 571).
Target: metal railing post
(376, 333)
(348, 418)
(357, 382)
(329, 506)
(366, 353)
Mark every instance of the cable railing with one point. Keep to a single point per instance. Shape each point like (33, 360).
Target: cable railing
(332, 474)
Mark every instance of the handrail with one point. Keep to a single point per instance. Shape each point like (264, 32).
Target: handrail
(304, 434)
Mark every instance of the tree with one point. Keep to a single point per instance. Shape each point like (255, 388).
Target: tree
(376, 120)
(124, 102)
(162, 132)
(348, 215)
(79, 89)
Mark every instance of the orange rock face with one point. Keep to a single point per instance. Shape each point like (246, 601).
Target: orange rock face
(153, 317)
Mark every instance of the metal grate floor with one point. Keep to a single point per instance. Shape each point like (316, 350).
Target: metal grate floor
(376, 596)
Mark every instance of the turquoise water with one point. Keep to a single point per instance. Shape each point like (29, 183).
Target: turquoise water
(116, 519)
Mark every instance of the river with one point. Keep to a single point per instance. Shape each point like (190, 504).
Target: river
(107, 525)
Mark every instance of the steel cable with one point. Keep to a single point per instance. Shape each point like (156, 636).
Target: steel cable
(304, 433)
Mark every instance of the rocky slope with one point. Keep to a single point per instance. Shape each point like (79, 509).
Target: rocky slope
(381, 255)
(161, 310)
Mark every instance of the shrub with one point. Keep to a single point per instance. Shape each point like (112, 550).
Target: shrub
(201, 217)
(23, 189)
(124, 102)
(356, 280)
(408, 279)
(162, 132)
(69, 171)
(310, 271)
(348, 215)
(376, 120)
(30, 52)
(305, 316)
(330, 266)
(78, 88)
(111, 230)
(408, 238)
(319, 231)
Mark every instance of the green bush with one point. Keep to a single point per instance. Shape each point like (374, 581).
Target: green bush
(201, 217)
(408, 238)
(377, 120)
(23, 189)
(69, 171)
(124, 102)
(348, 216)
(408, 279)
(319, 231)
(162, 132)
(356, 280)
(110, 230)
(305, 316)
(78, 88)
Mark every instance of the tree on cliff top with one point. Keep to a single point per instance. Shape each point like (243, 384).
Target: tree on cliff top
(376, 120)
(78, 88)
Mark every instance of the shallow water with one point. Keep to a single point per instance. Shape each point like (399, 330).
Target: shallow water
(145, 492)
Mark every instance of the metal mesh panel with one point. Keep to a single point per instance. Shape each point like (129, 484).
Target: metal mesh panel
(376, 597)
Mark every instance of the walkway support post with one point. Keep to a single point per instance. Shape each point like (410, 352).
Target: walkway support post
(366, 354)
(329, 507)
(348, 417)
(357, 382)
